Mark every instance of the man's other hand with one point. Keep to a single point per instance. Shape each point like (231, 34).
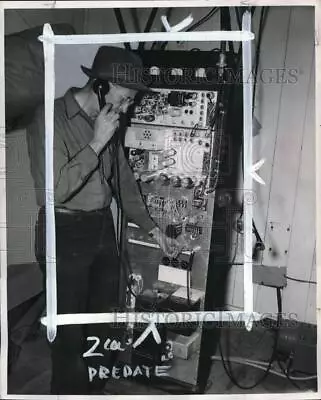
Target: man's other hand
(170, 247)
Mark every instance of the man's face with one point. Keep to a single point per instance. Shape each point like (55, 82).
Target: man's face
(120, 97)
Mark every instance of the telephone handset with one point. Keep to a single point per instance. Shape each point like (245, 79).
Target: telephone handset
(101, 88)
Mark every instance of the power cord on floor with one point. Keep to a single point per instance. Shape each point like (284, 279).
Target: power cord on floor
(285, 372)
(262, 365)
(287, 375)
(280, 309)
(228, 368)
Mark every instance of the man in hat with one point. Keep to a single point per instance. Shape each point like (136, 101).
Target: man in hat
(89, 168)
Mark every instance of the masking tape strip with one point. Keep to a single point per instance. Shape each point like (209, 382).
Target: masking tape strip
(159, 318)
(247, 157)
(204, 36)
(51, 292)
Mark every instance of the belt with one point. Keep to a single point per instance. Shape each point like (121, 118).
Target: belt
(63, 210)
(68, 211)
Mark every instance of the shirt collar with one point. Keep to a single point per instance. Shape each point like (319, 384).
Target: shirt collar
(72, 106)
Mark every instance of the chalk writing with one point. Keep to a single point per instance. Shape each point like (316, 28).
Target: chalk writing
(90, 352)
(126, 371)
(109, 345)
(114, 345)
(151, 328)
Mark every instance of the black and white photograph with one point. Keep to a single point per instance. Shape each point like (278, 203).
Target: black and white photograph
(160, 200)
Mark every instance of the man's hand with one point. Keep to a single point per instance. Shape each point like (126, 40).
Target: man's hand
(170, 247)
(106, 125)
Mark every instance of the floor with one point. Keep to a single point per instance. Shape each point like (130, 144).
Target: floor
(30, 373)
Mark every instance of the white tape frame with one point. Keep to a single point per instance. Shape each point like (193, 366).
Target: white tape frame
(52, 320)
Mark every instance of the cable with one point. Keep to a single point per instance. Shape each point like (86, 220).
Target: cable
(218, 122)
(226, 25)
(121, 25)
(279, 303)
(136, 21)
(227, 365)
(257, 236)
(151, 19)
(200, 22)
(168, 15)
(188, 286)
(223, 23)
(204, 19)
(238, 18)
(287, 375)
(300, 280)
(263, 15)
(235, 250)
(228, 370)
(236, 244)
(120, 222)
(148, 26)
(266, 367)
(261, 365)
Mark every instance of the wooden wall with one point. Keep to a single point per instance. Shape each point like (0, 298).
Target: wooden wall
(284, 211)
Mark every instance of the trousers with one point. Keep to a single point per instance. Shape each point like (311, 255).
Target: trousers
(88, 281)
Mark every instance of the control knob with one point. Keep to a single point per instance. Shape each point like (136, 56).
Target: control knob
(187, 183)
(149, 118)
(176, 181)
(164, 179)
(148, 177)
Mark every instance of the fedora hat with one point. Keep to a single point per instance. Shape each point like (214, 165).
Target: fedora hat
(119, 66)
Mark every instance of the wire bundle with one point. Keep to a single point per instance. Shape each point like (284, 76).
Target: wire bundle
(262, 365)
